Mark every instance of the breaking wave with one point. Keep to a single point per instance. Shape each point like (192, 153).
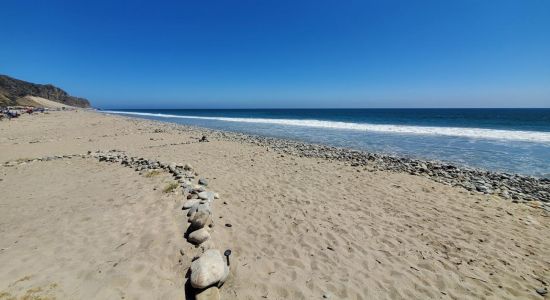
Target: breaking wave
(476, 133)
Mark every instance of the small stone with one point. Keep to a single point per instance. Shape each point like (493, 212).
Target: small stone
(203, 181)
(542, 291)
(228, 225)
(199, 188)
(206, 196)
(483, 189)
(191, 212)
(188, 167)
(198, 237)
(190, 203)
(327, 295)
(210, 269)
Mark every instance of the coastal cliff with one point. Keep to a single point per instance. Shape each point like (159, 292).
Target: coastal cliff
(12, 91)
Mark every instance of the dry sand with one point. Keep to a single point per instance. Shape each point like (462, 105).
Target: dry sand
(301, 227)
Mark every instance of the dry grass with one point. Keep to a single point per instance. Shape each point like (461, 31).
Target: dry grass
(31, 294)
(6, 296)
(153, 173)
(170, 187)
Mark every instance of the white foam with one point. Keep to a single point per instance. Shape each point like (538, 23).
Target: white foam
(477, 133)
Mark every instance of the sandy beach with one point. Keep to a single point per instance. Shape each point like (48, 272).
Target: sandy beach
(300, 228)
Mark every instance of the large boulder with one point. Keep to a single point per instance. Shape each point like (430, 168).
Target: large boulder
(210, 269)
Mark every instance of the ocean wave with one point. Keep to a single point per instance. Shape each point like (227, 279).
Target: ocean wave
(476, 133)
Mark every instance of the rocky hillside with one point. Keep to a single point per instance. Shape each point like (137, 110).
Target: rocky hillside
(12, 90)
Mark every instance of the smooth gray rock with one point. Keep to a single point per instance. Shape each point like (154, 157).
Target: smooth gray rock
(190, 203)
(200, 218)
(210, 269)
(192, 211)
(172, 167)
(199, 236)
(206, 196)
(203, 181)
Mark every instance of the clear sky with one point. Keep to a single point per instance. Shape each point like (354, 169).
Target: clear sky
(262, 54)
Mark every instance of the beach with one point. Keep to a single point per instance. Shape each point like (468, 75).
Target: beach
(299, 226)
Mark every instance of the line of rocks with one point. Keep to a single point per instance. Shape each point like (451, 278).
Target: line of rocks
(208, 271)
(17, 162)
(515, 187)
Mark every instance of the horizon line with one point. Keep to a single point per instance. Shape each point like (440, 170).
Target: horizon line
(327, 108)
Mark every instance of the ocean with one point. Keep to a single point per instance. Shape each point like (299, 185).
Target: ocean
(506, 140)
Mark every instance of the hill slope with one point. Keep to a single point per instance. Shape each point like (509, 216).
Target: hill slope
(12, 90)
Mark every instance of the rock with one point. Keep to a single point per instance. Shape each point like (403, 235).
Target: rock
(172, 167)
(206, 196)
(216, 196)
(192, 211)
(190, 203)
(187, 183)
(207, 246)
(210, 269)
(483, 189)
(201, 217)
(212, 293)
(188, 167)
(199, 236)
(203, 181)
(542, 291)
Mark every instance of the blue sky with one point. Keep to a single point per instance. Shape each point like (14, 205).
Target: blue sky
(258, 54)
